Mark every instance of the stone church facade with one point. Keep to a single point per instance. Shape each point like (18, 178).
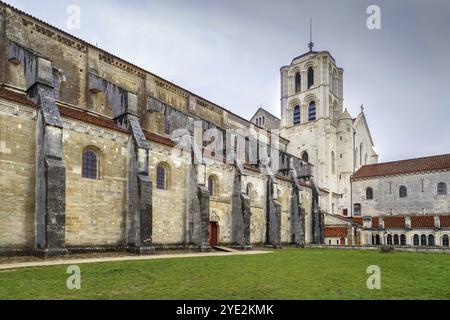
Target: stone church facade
(99, 154)
(86, 158)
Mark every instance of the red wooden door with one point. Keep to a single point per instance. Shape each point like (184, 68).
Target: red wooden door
(213, 234)
(342, 241)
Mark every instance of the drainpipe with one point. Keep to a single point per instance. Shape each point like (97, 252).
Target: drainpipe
(354, 168)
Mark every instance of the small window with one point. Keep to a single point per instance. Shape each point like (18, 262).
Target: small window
(297, 115)
(90, 165)
(389, 239)
(403, 240)
(445, 240)
(431, 240)
(423, 240)
(212, 187)
(416, 240)
(403, 192)
(312, 111)
(305, 157)
(298, 82)
(357, 209)
(345, 212)
(442, 188)
(369, 194)
(310, 78)
(161, 177)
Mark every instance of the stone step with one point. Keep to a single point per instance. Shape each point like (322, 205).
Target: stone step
(225, 249)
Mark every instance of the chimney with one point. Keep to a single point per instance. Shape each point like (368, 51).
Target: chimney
(437, 223)
(408, 223)
(367, 222)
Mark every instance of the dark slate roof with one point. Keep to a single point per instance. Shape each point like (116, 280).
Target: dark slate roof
(425, 164)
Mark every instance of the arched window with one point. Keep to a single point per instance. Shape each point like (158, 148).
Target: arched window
(389, 239)
(305, 157)
(403, 240)
(212, 186)
(445, 240)
(249, 190)
(297, 115)
(298, 82)
(416, 240)
(90, 164)
(361, 151)
(312, 111)
(377, 240)
(442, 188)
(403, 192)
(333, 163)
(310, 77)
(423, 240)
(369, 193)
(396, 240)
(430, 240)
(161, 177)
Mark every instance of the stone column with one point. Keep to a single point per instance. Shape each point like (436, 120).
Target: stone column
(203, 236)
(240, 214)
(139, 217)
(50, 207)
(273, 216)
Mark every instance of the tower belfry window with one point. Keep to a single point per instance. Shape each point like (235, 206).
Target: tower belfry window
(298, 82)
(312, 111)
(310, 77)
(297, 116)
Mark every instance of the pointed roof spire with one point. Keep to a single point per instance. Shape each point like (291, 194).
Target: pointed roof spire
(310, 44)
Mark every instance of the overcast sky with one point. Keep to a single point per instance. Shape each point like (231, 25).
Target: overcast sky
(231, 51)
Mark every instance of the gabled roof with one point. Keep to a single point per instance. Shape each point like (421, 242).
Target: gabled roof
(425, 164)
(361, 118)
(265, 111)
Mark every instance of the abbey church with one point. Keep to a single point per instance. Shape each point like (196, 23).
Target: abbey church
(87, 160)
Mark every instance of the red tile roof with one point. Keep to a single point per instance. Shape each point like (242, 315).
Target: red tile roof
(422, 222)
(357, 220)
(375, 222)
(335, 232)
(15, 97)
(394, 222)
(445, 221)
(433, 163)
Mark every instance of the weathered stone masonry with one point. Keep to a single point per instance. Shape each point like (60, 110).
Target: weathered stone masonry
(86, 97)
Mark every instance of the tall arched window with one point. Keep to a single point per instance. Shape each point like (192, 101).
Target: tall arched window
(416, 240)
(212, 186)
(430, 240)
(312, 111)
(310, 77)
(389, 239)
(333, 163)
(305, 157)
(298, 82)
(445, 240)
(403, 192)
(297, 115)
(249, 190)
(377, 240)
(162, 177)
(369, 194)
(442, 188)
(357, 209)
(403, 240)
(361, 152)
(423, 240)
(396, 240)
(90, 164)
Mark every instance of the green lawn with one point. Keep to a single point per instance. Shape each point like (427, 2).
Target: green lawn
(285, 274)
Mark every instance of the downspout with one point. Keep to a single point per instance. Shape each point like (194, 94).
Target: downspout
(354, 168)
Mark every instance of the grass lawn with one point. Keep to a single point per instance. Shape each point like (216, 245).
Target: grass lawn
(285, 274)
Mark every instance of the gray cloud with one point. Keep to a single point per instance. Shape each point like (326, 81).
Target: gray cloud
(231, 51)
